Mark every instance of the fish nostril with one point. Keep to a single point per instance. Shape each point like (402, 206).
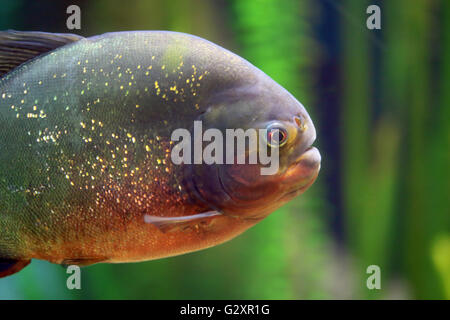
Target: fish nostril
(300, 123)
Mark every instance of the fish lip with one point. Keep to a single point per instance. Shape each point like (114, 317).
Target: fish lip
(308, 150)
(302, 173)
(310, 157)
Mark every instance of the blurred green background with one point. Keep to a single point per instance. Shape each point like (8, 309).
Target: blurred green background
(380, 100)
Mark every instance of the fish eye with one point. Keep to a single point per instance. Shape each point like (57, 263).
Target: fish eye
(277, 135)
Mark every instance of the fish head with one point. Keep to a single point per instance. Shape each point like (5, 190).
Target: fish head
(284, 133)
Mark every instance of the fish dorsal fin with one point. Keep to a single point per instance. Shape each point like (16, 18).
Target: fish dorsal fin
(17, 47)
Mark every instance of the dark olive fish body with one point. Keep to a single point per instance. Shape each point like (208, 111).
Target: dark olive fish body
(85, 147)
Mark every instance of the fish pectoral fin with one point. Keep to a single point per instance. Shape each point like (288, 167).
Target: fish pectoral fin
(10, 266)
(17, 47)
(166, 224)
(82, 262)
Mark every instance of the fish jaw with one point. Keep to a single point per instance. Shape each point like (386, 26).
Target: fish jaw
(302, 173)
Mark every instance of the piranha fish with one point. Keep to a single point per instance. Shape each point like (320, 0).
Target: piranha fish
(85, 147)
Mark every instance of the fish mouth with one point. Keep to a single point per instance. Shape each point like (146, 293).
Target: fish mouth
(305, 166)
(302, 172)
